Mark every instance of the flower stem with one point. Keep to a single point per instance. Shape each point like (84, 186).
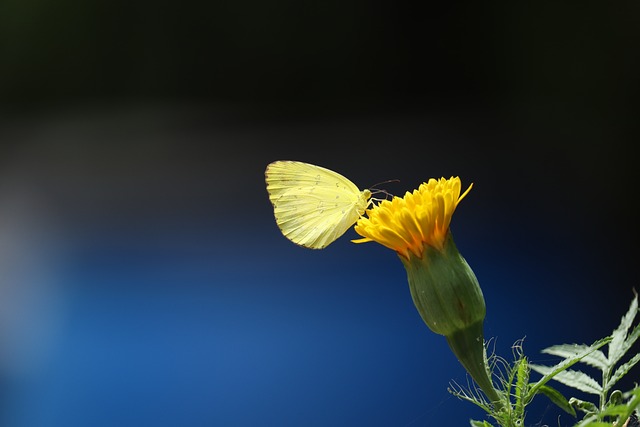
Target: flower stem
(468, 346)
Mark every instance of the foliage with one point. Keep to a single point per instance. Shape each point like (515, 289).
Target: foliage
(516, 390)
(613, 405)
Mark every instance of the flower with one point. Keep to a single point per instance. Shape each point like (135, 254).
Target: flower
(444, 289)
(418, 219)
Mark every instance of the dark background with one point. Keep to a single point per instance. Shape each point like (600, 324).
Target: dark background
(144, 281)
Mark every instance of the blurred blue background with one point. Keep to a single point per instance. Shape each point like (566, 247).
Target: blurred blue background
(144, 280)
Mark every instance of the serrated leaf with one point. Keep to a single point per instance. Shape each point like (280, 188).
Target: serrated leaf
(631, 339)
(563, 366)
(622, 370)
(597, 359)
(576, 379)
(556, 397)
(616, 347)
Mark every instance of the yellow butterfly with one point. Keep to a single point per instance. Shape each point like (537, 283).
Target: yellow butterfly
(313, 206)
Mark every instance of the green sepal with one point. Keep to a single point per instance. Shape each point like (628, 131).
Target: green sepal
(444, 289)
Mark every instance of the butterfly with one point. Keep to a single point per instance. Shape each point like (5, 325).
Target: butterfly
(313, 205)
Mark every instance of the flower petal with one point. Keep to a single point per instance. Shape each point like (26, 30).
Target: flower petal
(422, 217)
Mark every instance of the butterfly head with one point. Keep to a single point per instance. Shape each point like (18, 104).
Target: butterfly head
(364, 201)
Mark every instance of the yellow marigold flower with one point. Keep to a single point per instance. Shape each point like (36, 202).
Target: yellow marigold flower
(419, 218)
(444, 289)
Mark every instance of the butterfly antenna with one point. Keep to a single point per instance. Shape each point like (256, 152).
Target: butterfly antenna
(384, 182)
(387, 194)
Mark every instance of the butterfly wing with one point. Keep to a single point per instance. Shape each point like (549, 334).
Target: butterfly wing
(313, 205)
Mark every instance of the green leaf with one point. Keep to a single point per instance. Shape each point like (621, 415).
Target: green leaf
(522, 379)
(565, 364)
(633, 404)
(575, 379)
(631, 394)
(618, 338)
(631, 339)
(622, 371)
(556, 397)
(587, 421)
(615, 410)
(584, 406)
(597, 359)
(480, 424)
(615, 398)
(622, 411)
(594, 424)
